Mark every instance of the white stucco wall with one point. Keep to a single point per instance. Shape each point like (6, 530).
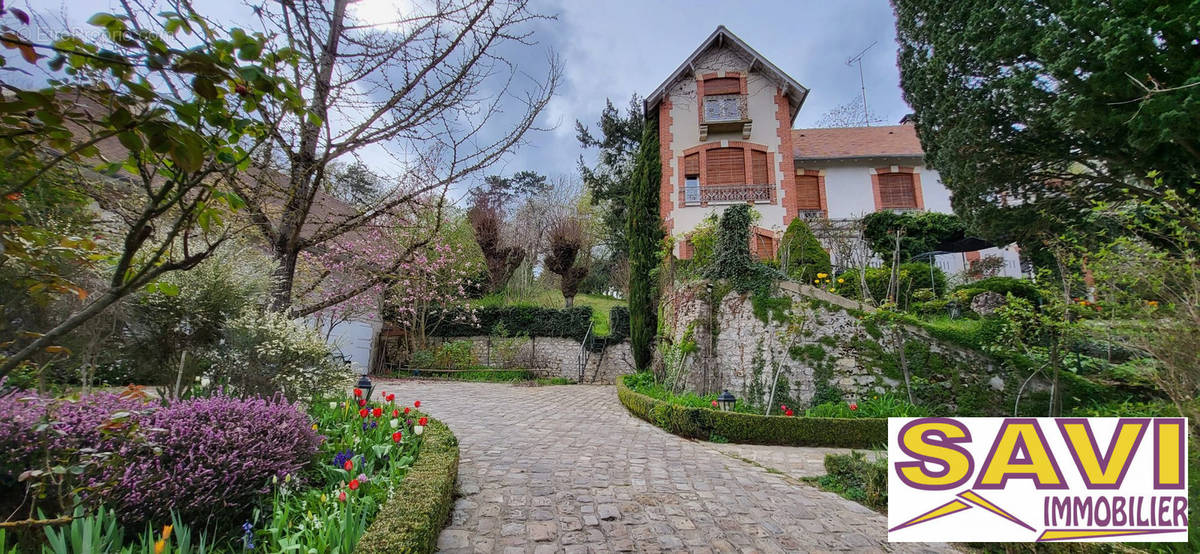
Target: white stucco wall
(849, 194)
(354, 339)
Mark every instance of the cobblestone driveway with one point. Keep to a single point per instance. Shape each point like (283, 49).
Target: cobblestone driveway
(567, 469)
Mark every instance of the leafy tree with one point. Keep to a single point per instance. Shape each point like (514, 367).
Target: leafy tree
(615, 173)
(503, 191)
(921, 232)
(566, 241)
(801, 256)
(412, 80)
(186, 114)
(645, 233)
(501, 259)
(1031, 110)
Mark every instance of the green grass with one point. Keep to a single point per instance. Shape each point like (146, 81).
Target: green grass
(547, 298)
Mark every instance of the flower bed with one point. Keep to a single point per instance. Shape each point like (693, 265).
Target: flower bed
(707, 423)
(226, 473)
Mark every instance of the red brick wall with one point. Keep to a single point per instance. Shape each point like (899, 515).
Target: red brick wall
(788, 179)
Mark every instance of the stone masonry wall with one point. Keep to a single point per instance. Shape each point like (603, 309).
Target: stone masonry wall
(836, 355)
(553, 357)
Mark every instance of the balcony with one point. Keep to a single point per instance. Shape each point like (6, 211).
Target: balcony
(730, 194)
(725, 113)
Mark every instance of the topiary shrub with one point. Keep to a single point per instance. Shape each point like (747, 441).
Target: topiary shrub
(702, 423)
(801, 255)
(412, 519)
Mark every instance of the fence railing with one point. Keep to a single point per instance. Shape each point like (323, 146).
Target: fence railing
(735, 193)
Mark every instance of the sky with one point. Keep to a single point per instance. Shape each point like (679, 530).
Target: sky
(611, 49)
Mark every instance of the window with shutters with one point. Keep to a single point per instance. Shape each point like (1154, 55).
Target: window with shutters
(723, 100)
(760, 168)
(808, 194)
(897, 191)
(726, 166)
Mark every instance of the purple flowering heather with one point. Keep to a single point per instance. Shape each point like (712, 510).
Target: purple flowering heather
(209, 459)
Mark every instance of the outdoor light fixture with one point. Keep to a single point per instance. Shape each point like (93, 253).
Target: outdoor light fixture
(364, 380)
(725, 401)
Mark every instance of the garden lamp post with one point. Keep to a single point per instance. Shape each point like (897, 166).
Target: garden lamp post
(725, 401)
(364, 382)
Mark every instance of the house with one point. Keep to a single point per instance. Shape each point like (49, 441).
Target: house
(725, 129)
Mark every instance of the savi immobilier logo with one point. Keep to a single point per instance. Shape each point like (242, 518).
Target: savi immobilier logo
(992, 479)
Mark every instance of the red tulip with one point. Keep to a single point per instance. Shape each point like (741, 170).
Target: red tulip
(853, 406)
(714, 403)
(397, 436)
(357, 393)
(789, 413)
(362, 402)
(395, 413)
(422, 421)
(377, 412)
(391, 398)
(342, 496)
(353, 484)
(783, 407)
(362, 412)
(406, 410)
(417, 404)
(349, 465)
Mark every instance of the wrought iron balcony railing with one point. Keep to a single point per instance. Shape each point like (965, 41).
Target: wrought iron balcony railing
(724, 194)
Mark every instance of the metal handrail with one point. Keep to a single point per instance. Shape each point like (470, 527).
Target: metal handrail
(584, 353)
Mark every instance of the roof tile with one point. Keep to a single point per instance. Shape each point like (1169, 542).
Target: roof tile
(856, 142)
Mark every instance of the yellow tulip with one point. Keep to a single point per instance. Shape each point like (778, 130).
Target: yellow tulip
(159, 545)
(166, 532)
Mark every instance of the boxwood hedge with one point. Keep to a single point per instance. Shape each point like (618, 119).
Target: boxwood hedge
(703, 423)
(412, 519)
(535, 321)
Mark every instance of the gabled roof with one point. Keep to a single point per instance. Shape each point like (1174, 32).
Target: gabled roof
(889, 141)
(795, 92)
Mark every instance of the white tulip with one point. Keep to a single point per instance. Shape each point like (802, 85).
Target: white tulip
(395, 423)
(418, 429)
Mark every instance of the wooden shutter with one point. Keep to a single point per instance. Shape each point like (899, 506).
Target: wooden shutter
(724, 85)
(760, 168)
(691, 164)
(726, 166)
(896, 191)
(764, 246)
(808, 192)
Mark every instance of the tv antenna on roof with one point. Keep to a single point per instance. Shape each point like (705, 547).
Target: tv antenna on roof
(857, 59)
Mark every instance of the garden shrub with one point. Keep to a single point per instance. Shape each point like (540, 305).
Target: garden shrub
(412, 519)
(455, 355)
(702, 423)
(265, 352)
(1021, 288)
(207, 459)
(801, 254)
(853, 477)
(914, 276)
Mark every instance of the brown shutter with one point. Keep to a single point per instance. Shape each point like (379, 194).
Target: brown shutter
(724, 85)
(808, 192)
(758, 164)
(726, 166)
(691, 164)
(896, 191)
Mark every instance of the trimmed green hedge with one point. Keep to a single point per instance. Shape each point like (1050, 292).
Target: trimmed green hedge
(535, 321)
(703, 423)
(412, 519)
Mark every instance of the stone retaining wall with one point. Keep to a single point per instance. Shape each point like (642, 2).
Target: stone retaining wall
(837, 355)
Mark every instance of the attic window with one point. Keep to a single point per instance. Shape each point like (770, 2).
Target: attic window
(722, 85)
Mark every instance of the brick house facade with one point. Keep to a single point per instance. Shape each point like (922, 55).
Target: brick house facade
(725, 120)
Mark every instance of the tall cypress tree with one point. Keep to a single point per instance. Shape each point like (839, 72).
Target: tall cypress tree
(645, 233)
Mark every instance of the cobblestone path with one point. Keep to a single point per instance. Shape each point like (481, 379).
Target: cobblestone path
(568, 469)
